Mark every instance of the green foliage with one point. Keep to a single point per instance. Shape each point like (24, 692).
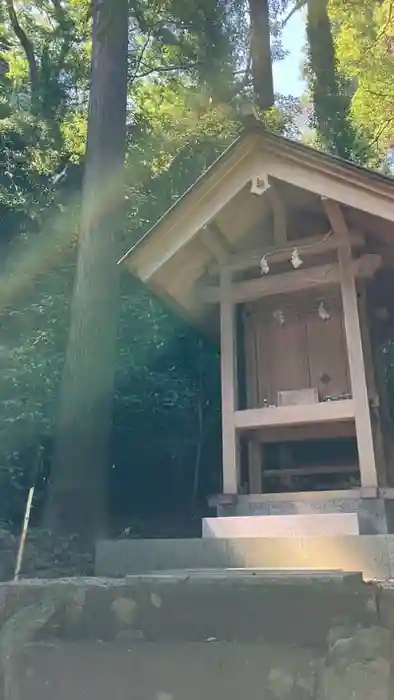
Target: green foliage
(335, 132)
(364, 32)
(171, 113)
(188, 71)
(348, 69)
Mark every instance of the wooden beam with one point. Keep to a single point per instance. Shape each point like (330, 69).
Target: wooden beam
(290, 282)
(312, 471)
(324, 431)
(308, 247)
(365, 444)
(216, 242)
(228, 360)
(280, 220)
(293, 170)
(184, 227)
(278, 416)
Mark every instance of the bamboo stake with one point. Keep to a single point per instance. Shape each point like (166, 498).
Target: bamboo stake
(23, 536)
(26, 520)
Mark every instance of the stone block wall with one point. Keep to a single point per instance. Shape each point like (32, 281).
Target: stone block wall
(203, 635)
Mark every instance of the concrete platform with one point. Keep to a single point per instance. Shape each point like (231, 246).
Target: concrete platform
(313, 524)
(374, 507)
(373, 555)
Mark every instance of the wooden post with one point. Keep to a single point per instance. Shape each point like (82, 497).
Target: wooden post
(378, 441)
(229, 384)
(280, 220)
(255, 446)
(386, 424)
(365, 445)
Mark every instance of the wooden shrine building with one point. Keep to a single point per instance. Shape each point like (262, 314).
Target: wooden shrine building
(287, 256)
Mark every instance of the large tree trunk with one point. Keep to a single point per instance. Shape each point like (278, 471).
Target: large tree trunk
(260, 48)
(331, 102)
(77, 492)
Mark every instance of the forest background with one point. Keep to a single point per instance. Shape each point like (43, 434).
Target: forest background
(185, 70)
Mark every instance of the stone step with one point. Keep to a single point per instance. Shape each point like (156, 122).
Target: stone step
(294, 525)
(210, 669)
(373, 555)
(222, 635)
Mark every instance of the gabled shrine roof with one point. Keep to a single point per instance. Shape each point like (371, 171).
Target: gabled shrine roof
(172, 256)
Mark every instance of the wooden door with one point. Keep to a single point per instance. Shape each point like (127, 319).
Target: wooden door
(326, 349)
(279, 356)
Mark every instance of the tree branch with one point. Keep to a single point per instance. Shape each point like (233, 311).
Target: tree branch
(243, 83)
(141, 58)
(64, 31)
(27, 47)
(383, 31)
(64, 51)
(384, 95)
(61, 15)
(377, 135)
(298, 6)
(167, 69)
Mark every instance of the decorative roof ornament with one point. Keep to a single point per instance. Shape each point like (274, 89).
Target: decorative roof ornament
(259, 184)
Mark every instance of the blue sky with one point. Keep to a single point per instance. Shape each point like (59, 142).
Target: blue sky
(287, 73)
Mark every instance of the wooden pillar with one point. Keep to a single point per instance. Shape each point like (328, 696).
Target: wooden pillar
(365, 445)
(386, 424)
(255, 447)
(228, 362)
(373, 394)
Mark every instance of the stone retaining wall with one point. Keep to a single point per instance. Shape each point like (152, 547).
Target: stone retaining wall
(187, 636)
